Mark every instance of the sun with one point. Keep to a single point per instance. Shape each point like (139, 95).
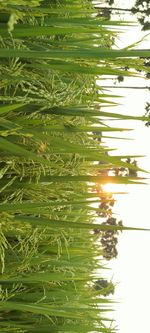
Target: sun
(113, 188)
(109, 187)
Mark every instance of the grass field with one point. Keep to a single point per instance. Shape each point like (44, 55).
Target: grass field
(53, 159)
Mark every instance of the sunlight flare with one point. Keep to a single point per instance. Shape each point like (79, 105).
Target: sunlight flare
(114, 188)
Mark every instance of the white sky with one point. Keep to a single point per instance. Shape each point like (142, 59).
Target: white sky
(132, 266)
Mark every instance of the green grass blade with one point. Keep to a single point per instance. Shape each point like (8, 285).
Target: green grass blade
(43, 222)
(97, 53)
(7, 108)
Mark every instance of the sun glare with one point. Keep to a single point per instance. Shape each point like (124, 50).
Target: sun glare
(113, 188)
(109, 187)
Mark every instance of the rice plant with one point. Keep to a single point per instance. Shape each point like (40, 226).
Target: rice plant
(52, 161)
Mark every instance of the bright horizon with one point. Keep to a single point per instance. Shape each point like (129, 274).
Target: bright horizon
(131, 269)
